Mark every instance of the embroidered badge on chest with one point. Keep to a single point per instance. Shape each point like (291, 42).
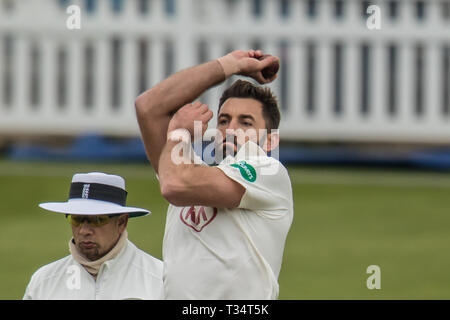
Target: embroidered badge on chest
(197, 217)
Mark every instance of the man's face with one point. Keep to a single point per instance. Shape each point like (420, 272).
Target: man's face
(96, 241)
(239, 113)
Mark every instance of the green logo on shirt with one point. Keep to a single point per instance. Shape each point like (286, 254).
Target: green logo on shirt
(247, 171)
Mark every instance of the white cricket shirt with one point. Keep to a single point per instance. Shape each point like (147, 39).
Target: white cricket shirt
(133, 274)
(235, 253)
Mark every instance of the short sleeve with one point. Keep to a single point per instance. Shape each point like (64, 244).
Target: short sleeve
(266, 182)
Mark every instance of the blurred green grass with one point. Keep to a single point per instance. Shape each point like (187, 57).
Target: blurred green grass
(345, 220)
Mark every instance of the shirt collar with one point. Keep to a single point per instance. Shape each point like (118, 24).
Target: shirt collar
(247, 151)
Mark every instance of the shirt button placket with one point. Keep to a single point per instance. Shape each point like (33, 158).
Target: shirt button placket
(100, 279)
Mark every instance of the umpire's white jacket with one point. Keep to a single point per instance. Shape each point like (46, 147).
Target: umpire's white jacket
(133, 274)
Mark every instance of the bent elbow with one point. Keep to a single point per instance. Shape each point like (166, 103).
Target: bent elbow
(148, 102)
(166, 191)
(140, 105)
(172, 192)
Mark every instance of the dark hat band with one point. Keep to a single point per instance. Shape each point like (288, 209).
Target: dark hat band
(98, 191)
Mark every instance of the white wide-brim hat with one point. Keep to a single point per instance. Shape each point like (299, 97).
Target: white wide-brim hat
(95, 193)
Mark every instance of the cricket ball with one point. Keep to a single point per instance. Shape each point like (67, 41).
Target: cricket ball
(271, 70)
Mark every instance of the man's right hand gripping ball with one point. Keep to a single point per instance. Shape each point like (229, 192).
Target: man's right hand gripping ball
(253, 63)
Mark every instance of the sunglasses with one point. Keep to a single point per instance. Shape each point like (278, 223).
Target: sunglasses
(96, 221)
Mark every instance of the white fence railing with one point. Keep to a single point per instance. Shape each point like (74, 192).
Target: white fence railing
(339, 80)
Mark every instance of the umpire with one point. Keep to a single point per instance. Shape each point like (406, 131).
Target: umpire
(103, 263)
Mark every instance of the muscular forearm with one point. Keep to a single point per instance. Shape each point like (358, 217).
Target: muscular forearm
(172, 169)
(179, 89)
(186, 184)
